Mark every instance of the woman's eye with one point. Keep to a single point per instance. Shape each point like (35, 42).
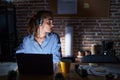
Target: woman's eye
(49, 23)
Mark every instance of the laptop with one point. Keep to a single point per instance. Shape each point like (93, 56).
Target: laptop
(38, 64)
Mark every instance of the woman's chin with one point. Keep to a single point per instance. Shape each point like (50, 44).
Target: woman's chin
(49, 31)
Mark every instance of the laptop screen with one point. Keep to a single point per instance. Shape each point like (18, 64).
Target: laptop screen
(35, 63)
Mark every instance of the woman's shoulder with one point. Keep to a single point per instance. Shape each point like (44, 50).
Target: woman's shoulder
(27, 37)
(54, 34)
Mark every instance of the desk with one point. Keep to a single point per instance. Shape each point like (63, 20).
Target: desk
(69, 76)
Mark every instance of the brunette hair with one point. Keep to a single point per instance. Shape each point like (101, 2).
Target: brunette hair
(37, 20)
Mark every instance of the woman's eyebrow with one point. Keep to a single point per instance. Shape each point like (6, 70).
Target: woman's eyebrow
(50, 18)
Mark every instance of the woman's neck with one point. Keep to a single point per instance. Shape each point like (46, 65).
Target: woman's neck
(40, 34)
(40, 37)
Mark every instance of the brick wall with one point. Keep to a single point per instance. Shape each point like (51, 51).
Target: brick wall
(86, 30)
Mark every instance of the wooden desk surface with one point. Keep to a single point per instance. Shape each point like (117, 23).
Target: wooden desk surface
(69, 76)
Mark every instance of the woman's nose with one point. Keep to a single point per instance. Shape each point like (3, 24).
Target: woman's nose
(52, 24)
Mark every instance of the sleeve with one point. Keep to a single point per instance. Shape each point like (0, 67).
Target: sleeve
(56, 50)
(21, 48)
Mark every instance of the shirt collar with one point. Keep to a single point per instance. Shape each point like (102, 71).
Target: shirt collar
(45, 42)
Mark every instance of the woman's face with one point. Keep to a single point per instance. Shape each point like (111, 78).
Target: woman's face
(47, 24)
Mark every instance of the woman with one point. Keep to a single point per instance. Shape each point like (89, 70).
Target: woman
(41, 39)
